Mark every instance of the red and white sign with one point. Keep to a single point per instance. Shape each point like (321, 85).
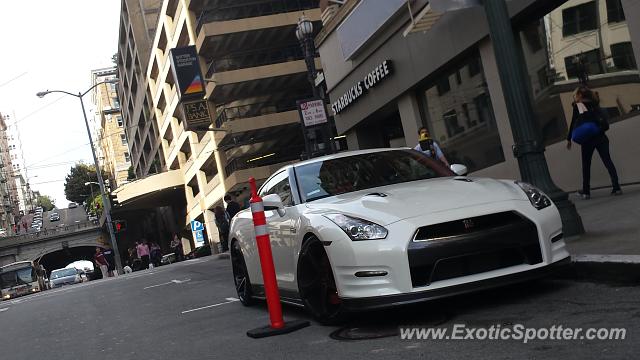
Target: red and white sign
(313, 112)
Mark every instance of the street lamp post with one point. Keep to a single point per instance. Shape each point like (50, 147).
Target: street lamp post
(304, 33)
(105, 199)
(528, 148)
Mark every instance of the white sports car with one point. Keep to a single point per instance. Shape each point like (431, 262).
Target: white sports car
(377, 228)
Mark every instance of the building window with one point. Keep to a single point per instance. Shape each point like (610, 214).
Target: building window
(622, 54)
(127, 157)
(587, 61)
(579, 19)
(116, 102)
(119, 119)
(123, 138)
(614, 11)
(461, 119)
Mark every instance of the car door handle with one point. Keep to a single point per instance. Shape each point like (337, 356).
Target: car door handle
(293, 230)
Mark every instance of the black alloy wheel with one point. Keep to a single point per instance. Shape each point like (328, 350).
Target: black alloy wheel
(240, 275)
(316, 284)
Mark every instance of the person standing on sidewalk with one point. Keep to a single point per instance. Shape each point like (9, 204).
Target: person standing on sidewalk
(143, 253)
(101, 262)
(588, 126)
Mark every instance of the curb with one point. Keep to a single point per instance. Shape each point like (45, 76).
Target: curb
(610, 269)
(224, 255)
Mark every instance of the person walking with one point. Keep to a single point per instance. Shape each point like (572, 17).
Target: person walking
(232, 206)
(588, 127)
(101, 262)
(429, 147)
(222, 222)
(143, 253)
(176, 247)
(155, 254)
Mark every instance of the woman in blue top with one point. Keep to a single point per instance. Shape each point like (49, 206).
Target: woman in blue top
(586, 109)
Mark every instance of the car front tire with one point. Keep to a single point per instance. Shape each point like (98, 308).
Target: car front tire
(316, 284)
(241, 275)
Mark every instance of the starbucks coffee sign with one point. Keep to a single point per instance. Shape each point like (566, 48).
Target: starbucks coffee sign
(372, 79)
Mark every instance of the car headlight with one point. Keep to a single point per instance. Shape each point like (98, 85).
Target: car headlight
(358, 229)
(538, 199)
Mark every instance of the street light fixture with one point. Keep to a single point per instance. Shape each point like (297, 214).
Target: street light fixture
(105, 200)
(304, 33)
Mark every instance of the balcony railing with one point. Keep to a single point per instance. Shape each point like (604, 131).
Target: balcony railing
(257, 109)
(255, 58)
(283, 155)
(243, 10)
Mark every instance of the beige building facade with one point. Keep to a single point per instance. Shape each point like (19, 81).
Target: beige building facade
(112, 140)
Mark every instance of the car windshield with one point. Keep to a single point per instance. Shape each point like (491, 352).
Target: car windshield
(364, 171)
(56, 274)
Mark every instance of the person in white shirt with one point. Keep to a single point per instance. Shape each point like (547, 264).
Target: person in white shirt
(429, 146)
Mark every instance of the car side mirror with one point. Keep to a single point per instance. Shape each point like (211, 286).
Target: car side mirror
(272, 202)
(459, 169)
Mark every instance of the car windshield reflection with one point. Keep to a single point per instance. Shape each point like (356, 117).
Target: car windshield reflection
(364, 171)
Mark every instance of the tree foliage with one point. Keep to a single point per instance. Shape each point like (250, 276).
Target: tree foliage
(46, 202)
(131, 175)
(74, 187)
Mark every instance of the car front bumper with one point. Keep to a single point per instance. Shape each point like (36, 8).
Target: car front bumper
(380, 302)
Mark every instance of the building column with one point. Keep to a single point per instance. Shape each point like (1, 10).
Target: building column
(212, 230)
(410, 117)
(632, 16)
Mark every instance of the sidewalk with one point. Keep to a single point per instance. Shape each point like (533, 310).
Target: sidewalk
(611, 223)
(609, 250)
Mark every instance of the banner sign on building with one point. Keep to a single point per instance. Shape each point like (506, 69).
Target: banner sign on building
(196, 115)
(186, 72)
(198, 238)
(312, 112)
(370, 80)
(197, 225)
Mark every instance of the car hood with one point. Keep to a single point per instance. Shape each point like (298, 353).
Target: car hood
(405, 200)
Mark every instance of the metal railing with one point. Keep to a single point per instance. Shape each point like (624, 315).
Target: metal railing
(249, 9)
(46, 233)
(259, 57)
(257, 109)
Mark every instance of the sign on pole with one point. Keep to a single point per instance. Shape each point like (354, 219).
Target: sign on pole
(312, 112)
(198, 238)
(196, 115)
(186, 71)
(196, 225)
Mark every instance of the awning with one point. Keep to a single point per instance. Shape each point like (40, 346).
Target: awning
(151, 191)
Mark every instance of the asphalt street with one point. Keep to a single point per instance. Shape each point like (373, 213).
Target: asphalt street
(188, 310)
(67, 217)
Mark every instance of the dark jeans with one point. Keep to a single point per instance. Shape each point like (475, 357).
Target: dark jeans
(145, 261)
(600, 143)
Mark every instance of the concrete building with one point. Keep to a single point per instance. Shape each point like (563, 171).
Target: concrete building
(255, 72)
(427, 69)
(9, 204)
(18, 168)
(112, 138)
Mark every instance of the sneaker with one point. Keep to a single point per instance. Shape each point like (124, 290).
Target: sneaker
(616, 192)
(584, 196)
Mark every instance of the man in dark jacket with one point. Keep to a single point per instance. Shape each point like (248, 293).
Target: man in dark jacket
(232, 206)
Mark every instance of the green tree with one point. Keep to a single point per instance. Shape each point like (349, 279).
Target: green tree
(46, 202)
(74, 186)
(131, 174)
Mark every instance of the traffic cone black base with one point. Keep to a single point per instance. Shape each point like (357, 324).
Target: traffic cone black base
(289, 326)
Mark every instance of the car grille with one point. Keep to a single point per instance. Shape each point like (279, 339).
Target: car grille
(470, 246)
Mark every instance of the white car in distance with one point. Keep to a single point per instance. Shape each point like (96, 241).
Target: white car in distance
(378, 228)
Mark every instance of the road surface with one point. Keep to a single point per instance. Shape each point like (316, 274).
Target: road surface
(188, 310)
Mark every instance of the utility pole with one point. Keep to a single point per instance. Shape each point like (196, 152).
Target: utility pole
(528, 147)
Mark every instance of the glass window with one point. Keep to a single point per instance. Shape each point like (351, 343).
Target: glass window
(461, 119)
(119, 119)
(279, 184)
(116, 103)
(614, 11)
(127, 157)
(622, 54)
(123, 138)
(588, 61)
(579, 19)
(364, 171)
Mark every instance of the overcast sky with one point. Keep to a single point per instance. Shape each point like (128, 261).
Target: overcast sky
(53, 45)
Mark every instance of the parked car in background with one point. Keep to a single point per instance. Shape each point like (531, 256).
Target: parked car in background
(85, 267)
(200, 251)
(60, 277)
(54, 217)
(72, 205)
